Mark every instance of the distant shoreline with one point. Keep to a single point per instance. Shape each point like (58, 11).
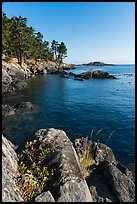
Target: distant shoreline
(96, 63)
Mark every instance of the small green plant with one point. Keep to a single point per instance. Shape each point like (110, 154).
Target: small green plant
(33, 170)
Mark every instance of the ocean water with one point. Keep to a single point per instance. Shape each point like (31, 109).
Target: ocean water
(78, 107)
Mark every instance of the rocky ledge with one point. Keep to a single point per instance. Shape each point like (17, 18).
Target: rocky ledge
(14, 75)
(106, 181)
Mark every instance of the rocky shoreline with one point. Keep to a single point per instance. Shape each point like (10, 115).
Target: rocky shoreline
(14, 76)
(107, 180)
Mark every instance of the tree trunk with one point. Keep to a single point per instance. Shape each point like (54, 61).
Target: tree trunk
(24, 59)
(20, 59)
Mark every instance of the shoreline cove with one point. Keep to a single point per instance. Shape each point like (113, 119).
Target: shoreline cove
(24, 104)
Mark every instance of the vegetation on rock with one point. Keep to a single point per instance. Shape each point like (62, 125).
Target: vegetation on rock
(86, 149)
(33, 169)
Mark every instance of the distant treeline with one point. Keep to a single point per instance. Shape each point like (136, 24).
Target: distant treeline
(21, 41)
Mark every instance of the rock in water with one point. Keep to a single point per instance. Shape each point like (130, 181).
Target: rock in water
(27, 105)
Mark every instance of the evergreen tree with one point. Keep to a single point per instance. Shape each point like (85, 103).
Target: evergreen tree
(21, 41)
(5, 35)
(54, 47)
(62, 52)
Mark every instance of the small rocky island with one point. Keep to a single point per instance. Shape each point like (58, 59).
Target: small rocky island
(96, 63)
(51, 168)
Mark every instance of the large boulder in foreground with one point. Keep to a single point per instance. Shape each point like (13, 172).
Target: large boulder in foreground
(108, 180)
(108, 184)
(69, 184)
(10, 191)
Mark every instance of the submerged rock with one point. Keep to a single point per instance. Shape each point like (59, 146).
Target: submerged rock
(27, 105)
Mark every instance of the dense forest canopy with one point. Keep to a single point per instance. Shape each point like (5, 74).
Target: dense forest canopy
(23, 42)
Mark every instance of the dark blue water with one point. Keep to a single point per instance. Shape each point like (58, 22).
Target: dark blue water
(78, 107)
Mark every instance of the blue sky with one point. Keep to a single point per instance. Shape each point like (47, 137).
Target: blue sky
(92, 31)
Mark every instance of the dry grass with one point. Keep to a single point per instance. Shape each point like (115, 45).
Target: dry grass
(86, 156)
(86, 151)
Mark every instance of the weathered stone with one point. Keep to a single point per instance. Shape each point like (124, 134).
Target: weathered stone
(7, 110)
(130, 171)
(70, 186)
(111, 183)
(10, 191)
(104, 153)
(45, 197)
(27, 105)
(19, 84)
(17, 73)
(44, 71)
(98, 74)
(6, 79)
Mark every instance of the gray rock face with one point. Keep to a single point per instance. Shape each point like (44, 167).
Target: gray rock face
(69, 186)
(106, 181)
(18, 84)
(10, 191)
(45, 197)
(16, 73)
(109, 181)
(13, 77)
(6, 79)
(7, 110)
(104, 153)
(131, 168)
